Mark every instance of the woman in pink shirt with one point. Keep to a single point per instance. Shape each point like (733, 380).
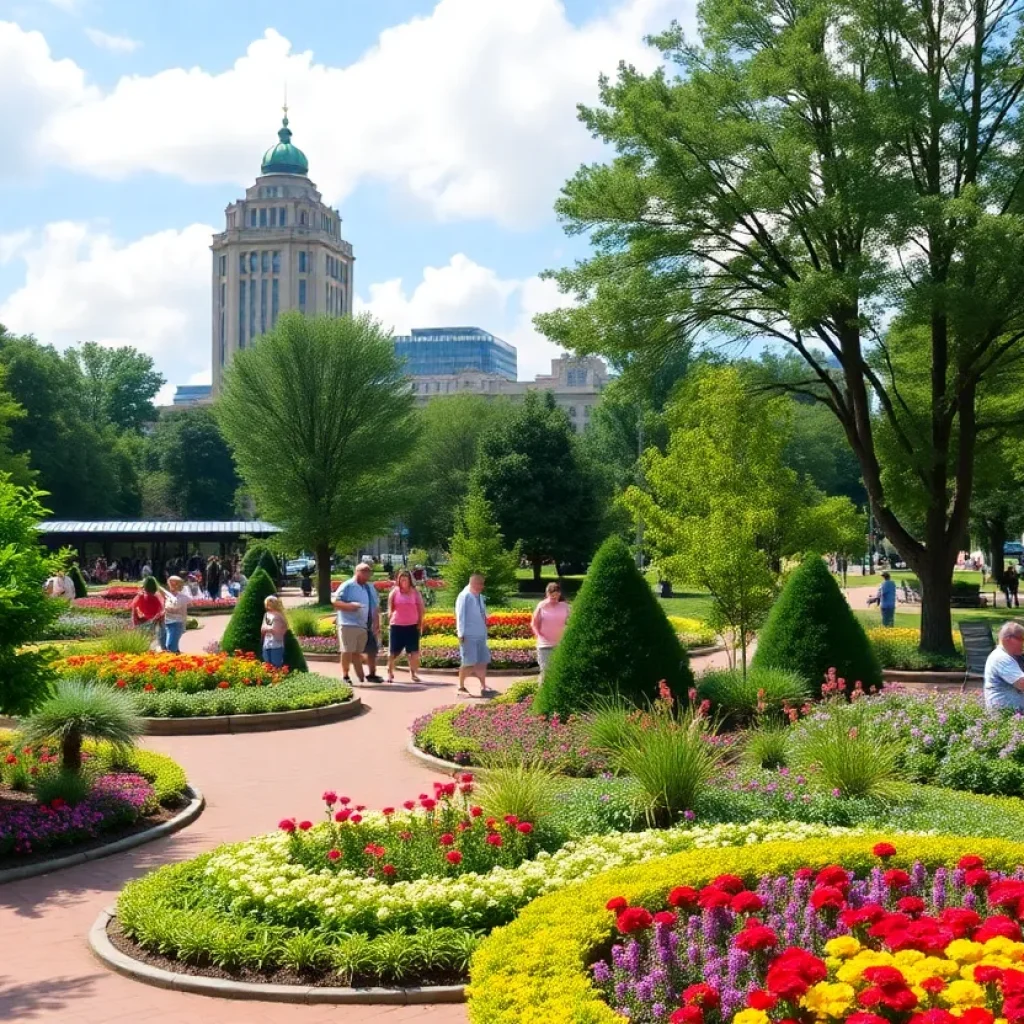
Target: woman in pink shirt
(548, 624)
(405, 620)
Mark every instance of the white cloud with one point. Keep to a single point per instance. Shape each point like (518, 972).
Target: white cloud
(12, 243)
(465, 294)
(470, 110)
(106, 41)
(82, 284)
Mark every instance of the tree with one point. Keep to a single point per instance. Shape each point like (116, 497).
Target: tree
(193, 459)
(439, 472)
(244, 631)
(533, 474)
(478, 546)
(829, 177)
(812, 629)
(25, 611)
(120, 384)
(319, 418)
(618, 642)
(722, 509)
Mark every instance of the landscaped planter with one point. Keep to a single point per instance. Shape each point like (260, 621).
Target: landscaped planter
(932, 680)
(266, 722)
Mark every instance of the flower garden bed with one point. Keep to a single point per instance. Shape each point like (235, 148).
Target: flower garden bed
(202, 685)
(740, 936)
(121, 607)
(131, 791)
(898, 648)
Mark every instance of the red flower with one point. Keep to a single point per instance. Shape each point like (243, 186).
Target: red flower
(223, 685)
(305, 825)
(476, 811)
(121, 684)
(761, 1000)
(286, 824)
(342, 815)
(802, 874)
(985, 975)
(616, 903)
(344, 800)
(933, 986)
(976, 1015)
(409, 804)
(389, 869)
(57, 803)
(356, 818)
(786, 985)
(466, 777)
(387, 811)
(682, 896)
(405, 836)
(633, 919)
(998, 925)
(447, 839)
(969, 862)
(12, 758)
(453, 857)
(828, 897)
(896, 879)
(885, 977)
(428, 804)
(687, 1015)
(960, 920)
(731, 884)
(746, 903)
(149, 688)
(833, 876)
(977, 877)
(755, 937)
(709, 898)
(883, 850)
(911, 905)
(525, 827)
(934, 1016)
(702, 995)
(494, 839)
(333, 854)
(373, 850)
(666, 917)
(330, 798)
(865, 1018)
(511, 819)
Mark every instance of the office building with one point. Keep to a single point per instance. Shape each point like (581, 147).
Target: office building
(191, 394)
(281, 249)
(444, 351)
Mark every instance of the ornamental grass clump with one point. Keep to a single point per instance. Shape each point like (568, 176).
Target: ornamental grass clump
(766, 747)
(125, 641)
(740, 698)
(516, 788)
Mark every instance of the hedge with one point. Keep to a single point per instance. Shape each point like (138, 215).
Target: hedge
(243, 632)
(536, 969)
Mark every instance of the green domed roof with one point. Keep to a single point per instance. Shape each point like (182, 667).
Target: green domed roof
(284, 158)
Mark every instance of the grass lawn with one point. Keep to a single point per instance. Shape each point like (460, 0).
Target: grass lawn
(911, 619)
(906, 576)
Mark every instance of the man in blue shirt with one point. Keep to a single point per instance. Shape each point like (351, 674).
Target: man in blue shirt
(471, 629)
(1004, 678)
(886, 600)
(358, 618)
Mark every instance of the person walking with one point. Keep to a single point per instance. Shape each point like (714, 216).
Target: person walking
(471, 629)
(548, 624)
(306, 581)
(886, 600)
(358, 617)
(148, 610)
(1011, 584)
(176, 600)
(273, 630)
(405, 624)
(212, 580)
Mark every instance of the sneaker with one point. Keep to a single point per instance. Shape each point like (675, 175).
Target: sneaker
(374, 678)
(346, 680)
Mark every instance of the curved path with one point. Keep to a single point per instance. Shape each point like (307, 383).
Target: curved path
(250, 782)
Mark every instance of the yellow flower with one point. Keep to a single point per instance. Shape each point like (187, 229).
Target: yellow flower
(999, 945)
(842, 946)
(853, 970)
(932, 966)
(963, 993)
(906, 957)
(965, 951)
(750, 1016)
(829, 999)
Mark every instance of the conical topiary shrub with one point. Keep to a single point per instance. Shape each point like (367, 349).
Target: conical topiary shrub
(268, 563)
(811, 628)
(81, 590)
(618, 641)
(252, 556)
(243, 632)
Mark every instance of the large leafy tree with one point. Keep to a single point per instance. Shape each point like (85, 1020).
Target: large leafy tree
(816, 174)
(541, 487)
(319, 417)
(119, 384)
(478, 546)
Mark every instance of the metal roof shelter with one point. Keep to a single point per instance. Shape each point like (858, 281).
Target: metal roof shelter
(159, 527)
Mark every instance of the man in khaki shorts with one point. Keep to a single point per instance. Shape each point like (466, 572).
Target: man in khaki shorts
(356, 601)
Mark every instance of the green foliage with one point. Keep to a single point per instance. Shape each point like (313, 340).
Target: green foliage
(269, 564)
(81, 590)
(618, 641)
(304, 621)
(613, 726)
(77, 711)
(811, 629)
(478, 546)
(254, 553)
(119, 384)
(319, 416)
(71, 787)
(540, 486)
(295, 693)
(739, 698)
(440, 738)
(766, 747)
(518, 693)
(244, 631)
(25, 611)
(514, 786)
(124, 641)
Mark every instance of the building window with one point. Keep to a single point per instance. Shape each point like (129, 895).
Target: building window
(273, 216)
(222, 335)
(276, 262)
(302, 262)
(265, 261)
(302, 218)
(252, 310)
(415, 387)
(273, 301)
(263, 216)
(241, 314)
(231, 219)
(253, 256)
(328, 298)
(302, 295)
(576, 378)
(263, 307)
(282, 217)
(252, 217)
(572, 411)
(222, 264)
(242, 262)
(344, 272)
(223, 293)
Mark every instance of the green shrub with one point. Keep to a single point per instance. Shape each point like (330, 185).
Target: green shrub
(304, 622)
(71, 787)
(518, 693)
(740, 699)
(251, 558)
(269, 564)
(243, 632)
(613, 727)
(124, 641)
(478, 546)
(523, 788)
(439, 737)
(766, 747)
(811, 629)
(81, 590)
(618, 641)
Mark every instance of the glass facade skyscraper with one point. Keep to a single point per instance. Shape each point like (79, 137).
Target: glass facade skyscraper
(435, 351)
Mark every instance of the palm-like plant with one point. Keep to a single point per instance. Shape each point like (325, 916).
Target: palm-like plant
(76, 711)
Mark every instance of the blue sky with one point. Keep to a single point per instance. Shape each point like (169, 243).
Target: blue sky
(442, 129)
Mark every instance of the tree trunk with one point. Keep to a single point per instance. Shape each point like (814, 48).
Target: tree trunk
(71, 752)
(936, 615)
(996, 530)
(538, 568)
(323, 574)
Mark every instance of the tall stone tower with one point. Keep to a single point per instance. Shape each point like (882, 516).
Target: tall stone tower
(281, 249)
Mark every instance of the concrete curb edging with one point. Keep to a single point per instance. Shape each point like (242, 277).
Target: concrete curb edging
(938, 680)
(270, 720)
(112, 957)
(438, 763)
(184, 817)
(497, 672)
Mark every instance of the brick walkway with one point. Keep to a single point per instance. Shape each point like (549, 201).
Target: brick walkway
(250, 783)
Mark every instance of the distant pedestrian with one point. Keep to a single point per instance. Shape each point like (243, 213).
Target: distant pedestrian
(1011, 584)
(548, 624)
(148, 611)
(61, 585)
(405, 624)
(306, 581)
(176, 600)
(886, 600)
(274, 628)
(358, 616)
(471, 629)
(213, 576)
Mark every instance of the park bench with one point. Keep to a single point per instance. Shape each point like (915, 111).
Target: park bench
(909, 595)
(978, 645)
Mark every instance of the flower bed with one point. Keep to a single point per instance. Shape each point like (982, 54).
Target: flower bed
(500, 626)
(248, 906)
(82, 626)
(898, 648)
(441, 651)
(539, 967)
(123, 606)
(125, 788)
(693, 632)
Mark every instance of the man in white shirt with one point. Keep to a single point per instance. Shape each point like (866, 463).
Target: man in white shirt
(1004, 678)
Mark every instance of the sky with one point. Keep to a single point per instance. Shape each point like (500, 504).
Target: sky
(443, 130)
